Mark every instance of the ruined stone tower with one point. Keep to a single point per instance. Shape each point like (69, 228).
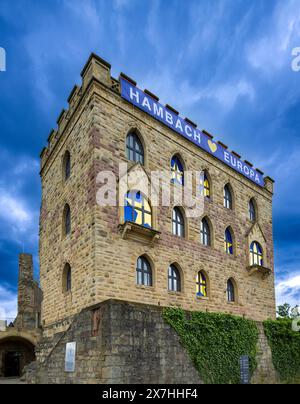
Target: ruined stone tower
(29, 295)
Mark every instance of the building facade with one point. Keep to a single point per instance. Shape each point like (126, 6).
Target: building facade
(219, 261)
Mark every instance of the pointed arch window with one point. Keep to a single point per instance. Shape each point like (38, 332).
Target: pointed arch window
(138, 209)
(228, 241)
(174, 279)
(205, 233)
(144, 272)
(67, 278)
(252, 211)
(230, 291)
(228, 204)
(134, 148)
(256, 254)
(205, 187)
(201, 285)
(177, 171)
(178, 223)
(67, 220)
(67, 165)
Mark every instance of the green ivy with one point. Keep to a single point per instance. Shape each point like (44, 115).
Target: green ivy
(285, 346)
(215, 343)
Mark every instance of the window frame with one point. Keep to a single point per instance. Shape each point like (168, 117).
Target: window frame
(177, 169)
(252, 210)
(205, 233)
(67, 220)
(256, 257)
(231, 291)
(135, 146)
(143, 210)
(178, 223)
(67, 279)
(144, 273)
(67, 166)
(205, 185)
(229, 244)
(174, 279)
(201, 282)
(228, 197)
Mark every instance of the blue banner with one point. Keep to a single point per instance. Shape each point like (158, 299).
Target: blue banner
(147, 104)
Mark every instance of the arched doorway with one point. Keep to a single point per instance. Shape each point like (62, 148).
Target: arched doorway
(15, 354)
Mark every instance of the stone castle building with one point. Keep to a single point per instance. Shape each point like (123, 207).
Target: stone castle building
(143, 254)
(19, 339)
(89, 253)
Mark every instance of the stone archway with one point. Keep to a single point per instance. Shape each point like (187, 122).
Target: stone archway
(15, 353)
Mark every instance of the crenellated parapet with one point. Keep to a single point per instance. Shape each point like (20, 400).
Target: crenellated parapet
(99, 70)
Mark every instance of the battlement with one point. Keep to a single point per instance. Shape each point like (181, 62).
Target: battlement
(97, 69)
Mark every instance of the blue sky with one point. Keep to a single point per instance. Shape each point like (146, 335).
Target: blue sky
(225, 64)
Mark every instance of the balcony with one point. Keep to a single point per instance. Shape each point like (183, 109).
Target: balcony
(139, 233)
(265, 272)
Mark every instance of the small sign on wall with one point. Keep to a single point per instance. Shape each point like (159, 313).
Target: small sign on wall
(245, 369)
(70, 360)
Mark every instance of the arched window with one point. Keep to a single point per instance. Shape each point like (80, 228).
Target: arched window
(205, 233)
(143, 272)
(67, 165)
(256, 254)
(230, 291)
(177, 171)
(67, 278)
(67, 220)
(252, 211)
(227, 197)
(228, 241)
(174, 279)
(205, 187)
(178, 223)
(201, 285)
(138, 209)
(134, 148)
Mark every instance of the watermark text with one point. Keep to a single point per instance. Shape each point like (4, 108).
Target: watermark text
(296, 60)
(2, 60)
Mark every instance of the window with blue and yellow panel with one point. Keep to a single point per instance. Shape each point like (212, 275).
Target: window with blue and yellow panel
(177, 171)
(137, 209)
(201, 285)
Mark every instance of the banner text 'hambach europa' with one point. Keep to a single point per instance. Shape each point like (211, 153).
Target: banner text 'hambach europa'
(147, 104)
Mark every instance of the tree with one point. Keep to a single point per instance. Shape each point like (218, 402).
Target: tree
(286, 311)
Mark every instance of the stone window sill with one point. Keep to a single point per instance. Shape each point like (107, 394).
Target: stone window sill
(143, 287)
(233, 304)
(205, 299)
(172, 293)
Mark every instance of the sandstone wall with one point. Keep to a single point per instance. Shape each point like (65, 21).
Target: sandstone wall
(103, 263)
(121, 343)
(126, 343)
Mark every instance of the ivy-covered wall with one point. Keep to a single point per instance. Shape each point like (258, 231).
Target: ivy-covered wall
(285, 346)
(215, 343)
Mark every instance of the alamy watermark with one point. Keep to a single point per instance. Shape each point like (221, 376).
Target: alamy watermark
(2, 60)
(2, 319)
(296, 319)
(159, 188)
(296, 60)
